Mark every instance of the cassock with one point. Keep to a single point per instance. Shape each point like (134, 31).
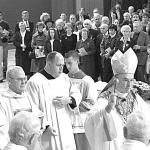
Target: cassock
(87, 88)
(10, 104)
(43, 88)
(105, 130)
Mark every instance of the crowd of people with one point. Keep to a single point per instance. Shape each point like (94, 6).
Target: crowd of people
(52, 101)
(96, 39)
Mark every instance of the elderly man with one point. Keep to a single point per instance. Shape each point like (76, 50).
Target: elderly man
(87, 88)
(96, 21)
(131, 10)
(24, 132)
(104, 128)
(137, 131)
(141, 40)
(14, 100)
(52, 92)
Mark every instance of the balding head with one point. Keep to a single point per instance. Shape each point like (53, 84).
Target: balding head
(13, 72)
(23, 128)
(54, 64)
(16, 79)
(130, 9)
(138, 126)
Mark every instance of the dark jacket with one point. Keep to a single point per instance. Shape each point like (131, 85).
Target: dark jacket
(68, 43)
(31, 25)
(84, 16)
(87, 62)
(143, 40)
(22, 57)
(56, 46)
(120, 44)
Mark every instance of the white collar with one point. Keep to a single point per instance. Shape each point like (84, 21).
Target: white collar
(134, 144)
(112, 35)
(25, 20)
(122, 39)
(106, 33)
(11, 94)
(23, 33)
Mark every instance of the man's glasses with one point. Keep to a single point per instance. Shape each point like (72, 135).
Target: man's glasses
(20, 79)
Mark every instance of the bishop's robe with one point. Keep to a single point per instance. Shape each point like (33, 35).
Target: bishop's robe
(95, 126)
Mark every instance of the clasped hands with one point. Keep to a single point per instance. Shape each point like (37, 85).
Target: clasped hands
(82, 52)
(136, 47)
(23, 45)
(61, 101)
(106, 52)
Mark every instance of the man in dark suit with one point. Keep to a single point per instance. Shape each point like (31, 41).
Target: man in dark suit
(25, 19)
(82, 15)
(22, 42)
(141, 39)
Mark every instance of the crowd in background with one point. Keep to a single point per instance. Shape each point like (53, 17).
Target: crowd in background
(101, 36)
(52, 100)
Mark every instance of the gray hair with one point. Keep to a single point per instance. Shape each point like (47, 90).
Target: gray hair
(126, 13)
(88, 21)
(22, 126)
(125, 28)
(138, 126)
(59, 21)
(104, 25)
(43, 15)
(13, 71)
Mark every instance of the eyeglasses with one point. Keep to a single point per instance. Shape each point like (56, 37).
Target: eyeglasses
(20, 79)
(38, 134)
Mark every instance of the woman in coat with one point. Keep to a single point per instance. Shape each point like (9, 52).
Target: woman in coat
(125, 41)
(38, 56)
(69, 41)
(86, 50)
(52, 43)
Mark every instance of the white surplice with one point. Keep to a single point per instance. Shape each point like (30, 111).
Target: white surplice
(42, 92)
(11, 146)
(94, 123)
(10, 104)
